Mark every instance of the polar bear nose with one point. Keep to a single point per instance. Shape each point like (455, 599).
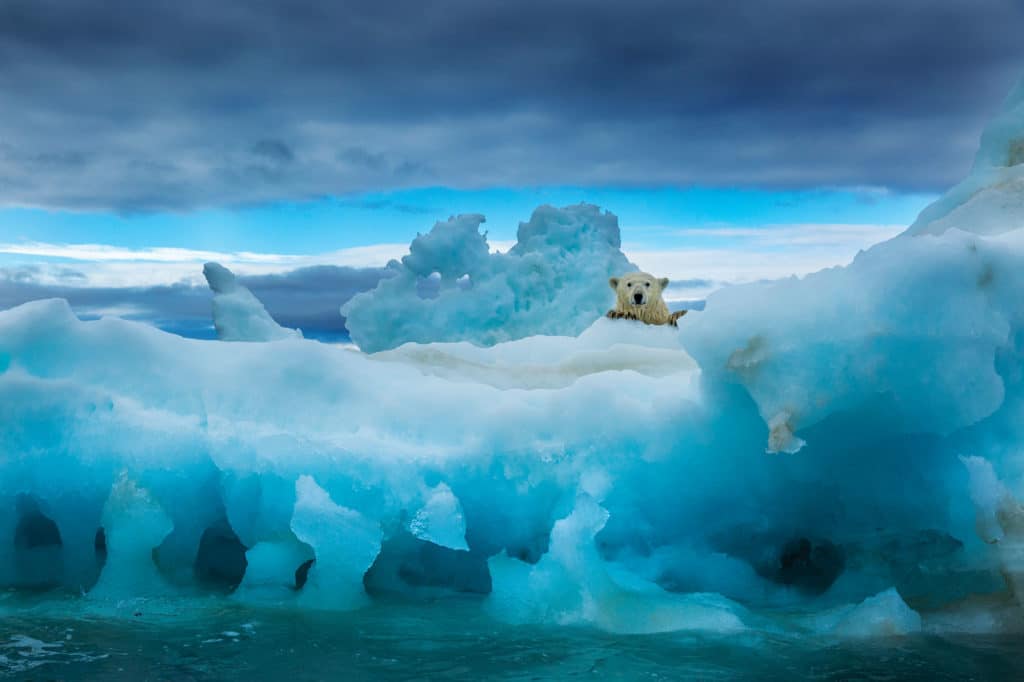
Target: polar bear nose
(638, 298)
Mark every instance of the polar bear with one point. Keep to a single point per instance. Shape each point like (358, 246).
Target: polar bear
(638, 297)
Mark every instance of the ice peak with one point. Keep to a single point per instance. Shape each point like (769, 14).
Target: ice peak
(990, 200)
(450, 287)
(237, 314)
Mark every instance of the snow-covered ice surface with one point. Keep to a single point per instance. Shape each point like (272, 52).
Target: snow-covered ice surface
(836, 456)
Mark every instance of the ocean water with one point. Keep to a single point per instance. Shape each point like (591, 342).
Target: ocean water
(451, 639)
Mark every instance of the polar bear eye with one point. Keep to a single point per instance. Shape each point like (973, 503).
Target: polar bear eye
(647, 284)
(630, 285)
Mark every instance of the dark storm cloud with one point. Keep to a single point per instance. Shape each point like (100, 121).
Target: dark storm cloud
(309, 298)
(306, 298)
(275, 150)
(148, 105)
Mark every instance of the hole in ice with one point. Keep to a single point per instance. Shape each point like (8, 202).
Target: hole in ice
(38, 548)
(220, 562)
(430, 286)
(100, 543)
(36, 530)
(519, 525)
(530, 554)
(302, 573)
(409, 566)
(809, 566)
(100, 546)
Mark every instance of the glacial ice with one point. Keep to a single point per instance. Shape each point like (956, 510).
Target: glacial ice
(450, 287)
(571, 584)
(237, 314)
(441, 520)
(884, 614)
(133, 524)
(838, 454)
(990, 200)
(345, 541)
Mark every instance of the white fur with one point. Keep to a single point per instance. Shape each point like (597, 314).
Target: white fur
(638, 296)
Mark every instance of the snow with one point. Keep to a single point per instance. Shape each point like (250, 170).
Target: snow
(837, 454)
(551, 361)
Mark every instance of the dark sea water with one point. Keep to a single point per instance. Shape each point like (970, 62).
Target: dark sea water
(446, 640)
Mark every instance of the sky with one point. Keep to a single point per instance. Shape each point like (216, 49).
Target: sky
(309, 141)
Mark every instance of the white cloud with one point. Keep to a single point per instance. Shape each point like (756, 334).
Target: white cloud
(806, 234)
(104, 252)
(96, 265)
(501, 245)
(102, 265)
(712, 255)
(715, 256)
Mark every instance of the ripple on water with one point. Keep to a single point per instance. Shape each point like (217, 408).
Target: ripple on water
(455, 641)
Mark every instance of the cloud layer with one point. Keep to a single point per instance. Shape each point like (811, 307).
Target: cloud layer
(164, 287)
(158, 105)
(306, 298)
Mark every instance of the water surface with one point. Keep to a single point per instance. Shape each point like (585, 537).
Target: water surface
(445, 640)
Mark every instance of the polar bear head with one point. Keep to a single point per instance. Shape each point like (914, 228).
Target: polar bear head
(637, 291)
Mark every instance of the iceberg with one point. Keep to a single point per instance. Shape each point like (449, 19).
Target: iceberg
(837, 454)
(237, 314)
(990, 200)
(450, 287)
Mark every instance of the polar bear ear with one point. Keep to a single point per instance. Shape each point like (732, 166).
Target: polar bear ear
(664, 283)
(613, 282)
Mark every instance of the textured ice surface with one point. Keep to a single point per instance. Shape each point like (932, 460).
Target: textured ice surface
(572, 584)
(237, 314)
(991, 199)
(441, 520)
(884, 614)
(133, 524)
(839, 453)
(451, 288)
(345, 542)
